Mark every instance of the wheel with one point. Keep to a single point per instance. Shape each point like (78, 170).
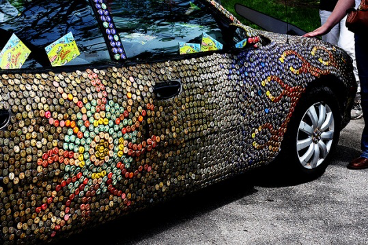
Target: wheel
(313, 133)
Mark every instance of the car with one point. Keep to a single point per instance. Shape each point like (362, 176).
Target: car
(108, 107)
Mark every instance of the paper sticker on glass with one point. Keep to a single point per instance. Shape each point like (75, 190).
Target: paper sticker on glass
(209, 43)
(241, 44)
(14, 54)
(192, 8)
(62, 50)
(189, 48)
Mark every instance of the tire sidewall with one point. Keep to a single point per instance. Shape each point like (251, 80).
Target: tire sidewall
(289, 151)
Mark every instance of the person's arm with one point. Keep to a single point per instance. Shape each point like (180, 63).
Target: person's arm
(338, 13)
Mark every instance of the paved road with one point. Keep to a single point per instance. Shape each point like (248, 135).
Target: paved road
(257, 208)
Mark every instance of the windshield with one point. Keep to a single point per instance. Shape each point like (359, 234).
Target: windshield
(154, 27)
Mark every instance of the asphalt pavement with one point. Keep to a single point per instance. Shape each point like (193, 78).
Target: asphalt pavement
(256, 208)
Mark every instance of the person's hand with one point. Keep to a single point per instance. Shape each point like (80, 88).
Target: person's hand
(317, 32)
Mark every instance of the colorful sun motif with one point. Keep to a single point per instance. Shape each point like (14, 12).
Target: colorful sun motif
(98, 149)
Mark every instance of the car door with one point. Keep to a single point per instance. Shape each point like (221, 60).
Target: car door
(185, 48)
(45, 52)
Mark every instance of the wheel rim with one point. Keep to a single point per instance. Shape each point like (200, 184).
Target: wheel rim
(315, 135)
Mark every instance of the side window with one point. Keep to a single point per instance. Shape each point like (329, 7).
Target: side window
(41, 25)
(152, 28)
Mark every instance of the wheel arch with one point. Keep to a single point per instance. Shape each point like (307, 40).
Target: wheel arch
(344, 93)
(321, 89)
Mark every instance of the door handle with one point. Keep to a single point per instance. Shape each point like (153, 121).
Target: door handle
(166, 90)
(4, 118)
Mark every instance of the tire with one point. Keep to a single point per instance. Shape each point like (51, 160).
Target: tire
(312, 134)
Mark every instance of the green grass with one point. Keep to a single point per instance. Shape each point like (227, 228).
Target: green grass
(303, 14)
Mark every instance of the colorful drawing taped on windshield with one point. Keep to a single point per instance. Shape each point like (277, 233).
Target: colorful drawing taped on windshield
(241, 44)
(14, 54)
(189, 48)
(192, 8)
(209, 43)
(62, 50)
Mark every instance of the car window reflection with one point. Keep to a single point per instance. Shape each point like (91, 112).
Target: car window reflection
(39, 25)
(155, 27)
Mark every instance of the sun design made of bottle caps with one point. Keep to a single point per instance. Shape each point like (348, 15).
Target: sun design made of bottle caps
(98, 150)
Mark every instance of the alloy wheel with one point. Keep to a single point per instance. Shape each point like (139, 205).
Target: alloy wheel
(315, 135)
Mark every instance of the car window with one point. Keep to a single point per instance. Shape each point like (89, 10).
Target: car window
(153, 28)
(53, 33)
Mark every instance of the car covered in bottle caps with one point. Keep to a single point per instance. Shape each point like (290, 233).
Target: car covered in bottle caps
(110, 106)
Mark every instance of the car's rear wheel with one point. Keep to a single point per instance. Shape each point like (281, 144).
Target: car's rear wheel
(313, 133)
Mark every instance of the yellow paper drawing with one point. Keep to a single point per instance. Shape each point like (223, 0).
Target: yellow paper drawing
(14, 54)
(189, 48)
(62, 50)
(210, 44)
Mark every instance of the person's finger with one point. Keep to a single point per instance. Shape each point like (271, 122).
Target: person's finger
(311, 34)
